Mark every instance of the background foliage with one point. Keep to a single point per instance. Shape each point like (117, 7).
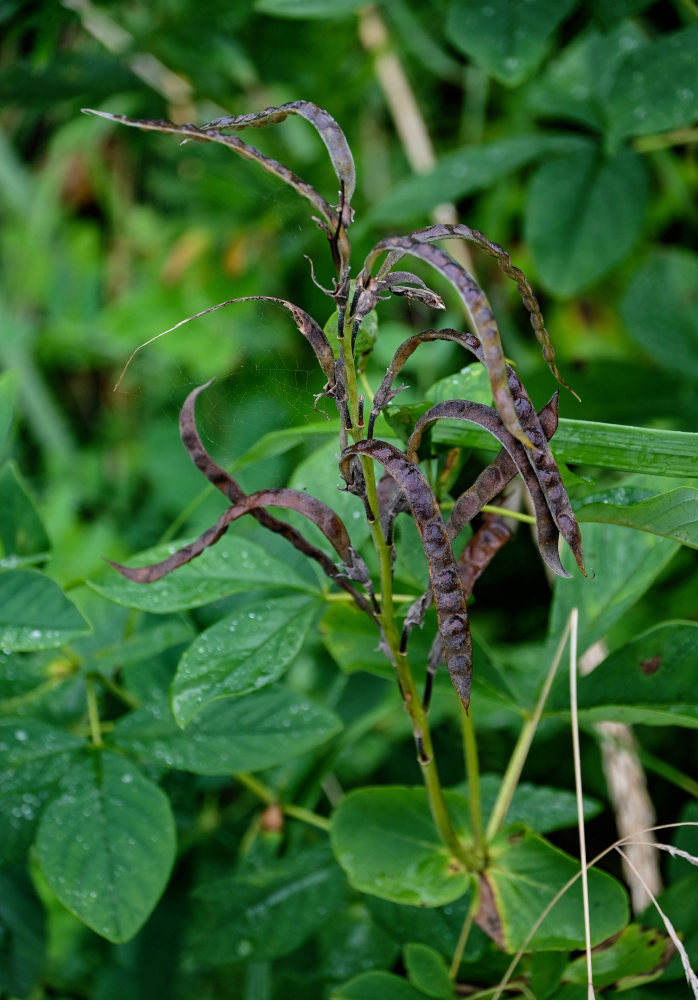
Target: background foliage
(565, 132)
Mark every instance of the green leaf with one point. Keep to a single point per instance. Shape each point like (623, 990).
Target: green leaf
(352, 640)
(311, 9)
(624, 564)
(386, 841)
(636, 953)
(606, 446)
(106, 845)
(35, 613)
(471, 382)
(508, 39)
(427, 971)
(8, 394)
(142, 645)
(241, 653)
(377, 986)
(22, 934)
(584, 213)
(524, 875)
(650, 680)
(656, 86)
(577, 84)
(352, 942)
(673, 514)
(660, 310)
(231, 566)
(33, 758)
(465, 171)
(269, 910)
(22, 535)
(246, 734)
(539, 807)
(437, 927)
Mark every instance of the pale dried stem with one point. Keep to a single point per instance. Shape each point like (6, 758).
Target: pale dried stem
(627, 790)
(406, 116)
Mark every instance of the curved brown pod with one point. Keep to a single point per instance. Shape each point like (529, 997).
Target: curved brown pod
(329, 523)
(478, 309)
(449, 599)
(486, 417)
(230, 489)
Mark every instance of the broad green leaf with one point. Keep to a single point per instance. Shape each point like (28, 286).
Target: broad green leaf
(241, 653)
(508, 39)
(465, 171)
(143, 645)
(231, 566)
(607, 446)
(539, 807)
(660, 310)
(577, 84)
(427, 971)
(673, 515)
(8, 393)
(22, 535)
(377, 986)
(386, 841)
(438, 927)
(268, 910)
(242, 734)
(524, 875)
(636, 953)
(320, 9)
(35, 613)
(656, 87)
(624, 564)
(22, 934)
(106, 845)
(584, 213)
(353, 942)
(352, 640)
(650, 680)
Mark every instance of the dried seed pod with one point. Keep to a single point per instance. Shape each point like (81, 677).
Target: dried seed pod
(228, 486)
(451, 610)
(209, 134)
(477, 308)
(485, 416)
(473, 236)
(329, 523)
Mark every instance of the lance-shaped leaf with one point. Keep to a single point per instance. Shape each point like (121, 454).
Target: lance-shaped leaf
(449, 599)
(329, 523)
(209, 134)
(229, 487)
(485, 416)
(477, 308)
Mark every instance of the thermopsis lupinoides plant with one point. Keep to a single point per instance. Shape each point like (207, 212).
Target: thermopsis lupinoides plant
(388, 481)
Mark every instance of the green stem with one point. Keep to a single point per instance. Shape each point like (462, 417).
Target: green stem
(464, 934)
(473, 771)
(93, 713)
(267, 795)
(523, 745)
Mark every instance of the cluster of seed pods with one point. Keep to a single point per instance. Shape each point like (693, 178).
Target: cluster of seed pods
(513, 421)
